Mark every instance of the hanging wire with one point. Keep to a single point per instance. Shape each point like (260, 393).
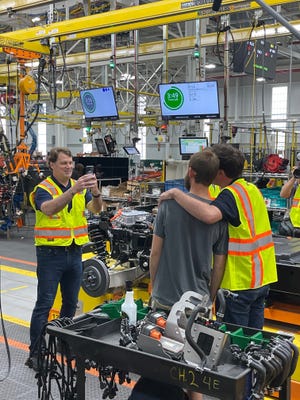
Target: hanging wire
(63, 73)
(218, 51)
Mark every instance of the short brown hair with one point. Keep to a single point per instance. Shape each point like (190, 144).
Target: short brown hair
(231, 159)
(53, 154)
(205, 164)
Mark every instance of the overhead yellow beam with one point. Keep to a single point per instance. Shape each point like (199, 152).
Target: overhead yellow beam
(132, 18)
(152, 48)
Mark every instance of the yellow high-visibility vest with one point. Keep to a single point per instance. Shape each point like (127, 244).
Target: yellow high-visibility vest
(213, 191)
(295, 209)
(251, 259)
(64, 227)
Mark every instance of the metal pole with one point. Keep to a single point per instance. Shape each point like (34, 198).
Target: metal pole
(279, 18)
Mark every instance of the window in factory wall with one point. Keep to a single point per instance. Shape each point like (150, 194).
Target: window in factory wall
(42, 133)
(87, 146)
(42, 138)
(142, 130)
(279, 114)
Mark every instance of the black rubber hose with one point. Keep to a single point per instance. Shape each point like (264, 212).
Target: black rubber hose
(258, 388)
(188, 334)
(286, 366)
(288, 344)
(277, 366)
(294, 358)
(270, 370)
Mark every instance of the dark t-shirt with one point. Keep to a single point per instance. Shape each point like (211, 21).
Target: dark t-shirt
(225, 202)
(187, 253)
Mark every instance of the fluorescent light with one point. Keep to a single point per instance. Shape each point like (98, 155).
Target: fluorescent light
(210, 66)
(260, 79)
(126, 77)
(36, 19)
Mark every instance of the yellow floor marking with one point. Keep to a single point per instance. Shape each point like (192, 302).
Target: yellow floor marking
(17, 321)
(18, 271)
(19, 287)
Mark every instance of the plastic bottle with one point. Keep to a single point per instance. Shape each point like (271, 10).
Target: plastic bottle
(129, 308)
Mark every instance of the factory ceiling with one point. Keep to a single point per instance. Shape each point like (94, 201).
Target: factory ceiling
(149, 42)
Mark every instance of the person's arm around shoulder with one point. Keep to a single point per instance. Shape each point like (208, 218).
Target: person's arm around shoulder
(287, 188)
(203, 211)
(156, 249)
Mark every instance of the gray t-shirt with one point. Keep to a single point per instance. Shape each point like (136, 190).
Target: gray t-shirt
(187, 253)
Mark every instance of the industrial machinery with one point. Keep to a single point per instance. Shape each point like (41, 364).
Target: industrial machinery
(187, 348)
(118, 251)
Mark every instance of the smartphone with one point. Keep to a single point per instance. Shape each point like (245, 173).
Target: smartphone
(89, 169)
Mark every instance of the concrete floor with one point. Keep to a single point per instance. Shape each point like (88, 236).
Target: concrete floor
(18, 294)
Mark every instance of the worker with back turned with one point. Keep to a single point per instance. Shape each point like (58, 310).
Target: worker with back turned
(251, 264)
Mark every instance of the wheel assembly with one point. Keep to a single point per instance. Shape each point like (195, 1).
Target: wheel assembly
(95, 280)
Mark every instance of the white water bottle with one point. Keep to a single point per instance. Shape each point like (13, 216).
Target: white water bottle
(129, 308)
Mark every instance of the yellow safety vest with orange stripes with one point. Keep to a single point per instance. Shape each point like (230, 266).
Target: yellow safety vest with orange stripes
(251, 259)
(64, 227)
(295, 208)
(213, 191)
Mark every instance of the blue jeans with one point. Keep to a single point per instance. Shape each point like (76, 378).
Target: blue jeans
(55, 265)
(248, 308)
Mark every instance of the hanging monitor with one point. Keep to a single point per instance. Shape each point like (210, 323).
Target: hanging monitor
(102, 147)
(188, 145)
(256, 57)
(99, 104)
(131, 150)
(189, 100)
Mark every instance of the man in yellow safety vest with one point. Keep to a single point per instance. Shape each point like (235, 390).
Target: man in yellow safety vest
(251, 264)
(60, 230)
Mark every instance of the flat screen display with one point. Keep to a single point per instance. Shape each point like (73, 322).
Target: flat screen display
(131, 150)
(256, 57)
(101, 147)
(189, 100)
(190, 145)
(99, 104)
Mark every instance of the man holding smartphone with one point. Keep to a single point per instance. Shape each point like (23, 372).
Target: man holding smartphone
(60, 231)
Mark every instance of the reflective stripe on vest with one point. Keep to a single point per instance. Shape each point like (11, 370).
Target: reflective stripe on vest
(64, 227)
(60, 232)
(253, 245)
(48, 185)
(295, 202)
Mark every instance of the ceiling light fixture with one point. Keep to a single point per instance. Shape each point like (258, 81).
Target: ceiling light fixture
(126, 77)
(210, 66)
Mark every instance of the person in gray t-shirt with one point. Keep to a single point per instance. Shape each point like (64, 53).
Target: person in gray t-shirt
(186, 253)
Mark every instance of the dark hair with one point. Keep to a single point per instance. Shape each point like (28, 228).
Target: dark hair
(205, 164)
(232, 160)
(53, 153)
